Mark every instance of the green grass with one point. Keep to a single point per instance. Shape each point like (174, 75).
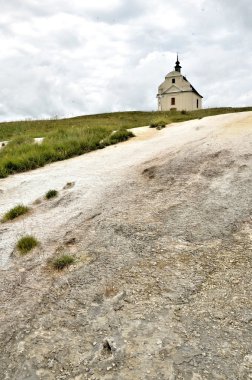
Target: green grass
(15, 212)
(158, 124)
(51, 194)
(62, 261)
(58, 145)
(26, 244)
(65, 138)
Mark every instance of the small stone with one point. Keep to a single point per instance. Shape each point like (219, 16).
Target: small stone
(50, 363)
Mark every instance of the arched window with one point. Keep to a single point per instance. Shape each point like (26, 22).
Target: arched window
(173, 101)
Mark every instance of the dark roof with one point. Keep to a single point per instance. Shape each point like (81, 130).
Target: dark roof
(195, 91)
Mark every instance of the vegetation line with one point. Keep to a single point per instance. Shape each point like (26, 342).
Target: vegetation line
(67, 138)
(22, 154)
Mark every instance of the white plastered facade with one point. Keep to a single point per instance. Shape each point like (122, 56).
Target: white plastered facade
(178, 94)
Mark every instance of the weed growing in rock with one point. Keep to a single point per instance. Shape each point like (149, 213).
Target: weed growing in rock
(15, 212)
(51, 194)
(62, 261)
(26, 244)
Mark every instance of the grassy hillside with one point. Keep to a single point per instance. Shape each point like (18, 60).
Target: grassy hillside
(65, 138)
(110, 121)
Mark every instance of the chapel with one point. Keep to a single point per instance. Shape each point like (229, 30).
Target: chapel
(177, 93)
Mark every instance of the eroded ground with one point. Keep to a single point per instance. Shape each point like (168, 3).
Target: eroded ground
(161, 230)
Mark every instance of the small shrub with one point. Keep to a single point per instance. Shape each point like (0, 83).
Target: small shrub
(62, 261)
(159, 124)
(184, 112)
(26, 244)
(15, 212)
(51, 194)
(116, 137)
(120, 135)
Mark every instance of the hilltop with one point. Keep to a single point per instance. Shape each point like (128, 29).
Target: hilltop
(60, 139)
(160, 230)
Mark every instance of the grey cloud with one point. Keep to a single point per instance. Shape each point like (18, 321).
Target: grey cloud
(73, 58)
(123, 12)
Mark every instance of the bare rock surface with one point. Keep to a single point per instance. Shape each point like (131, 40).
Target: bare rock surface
(161, 231)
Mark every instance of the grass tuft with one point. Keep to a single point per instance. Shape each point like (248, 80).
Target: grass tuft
(158, 124)
(15, 212)
(51, 194)
(26, 244)
(62, 262)
(116, 137)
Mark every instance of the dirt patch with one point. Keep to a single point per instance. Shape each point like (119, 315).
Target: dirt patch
(149, 172)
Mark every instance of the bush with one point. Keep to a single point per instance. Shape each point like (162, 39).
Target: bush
(115, 137)
(120, 135)
(159, 124)
(26, 244)
(15, 212)
(51, 194)
(62, 261)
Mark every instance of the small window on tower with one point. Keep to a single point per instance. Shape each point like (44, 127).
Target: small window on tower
(173, 101)
(173, 80)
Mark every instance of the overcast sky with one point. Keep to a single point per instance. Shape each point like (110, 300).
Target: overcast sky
(66, 58)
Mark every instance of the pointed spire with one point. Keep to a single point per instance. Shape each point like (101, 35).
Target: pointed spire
(177, 66)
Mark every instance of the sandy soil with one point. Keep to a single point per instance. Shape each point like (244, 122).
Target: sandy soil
(161, 230)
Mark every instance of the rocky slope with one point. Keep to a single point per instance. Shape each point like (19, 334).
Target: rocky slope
(161, 231)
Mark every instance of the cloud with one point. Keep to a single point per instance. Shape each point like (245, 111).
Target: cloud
(70, 58)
